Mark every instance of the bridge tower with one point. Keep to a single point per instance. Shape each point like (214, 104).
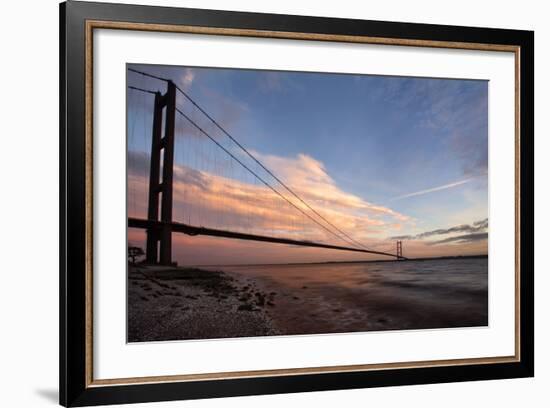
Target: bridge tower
(399, 250)
(161, 175)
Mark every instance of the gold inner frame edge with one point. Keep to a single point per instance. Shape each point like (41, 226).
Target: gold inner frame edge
(118, 25)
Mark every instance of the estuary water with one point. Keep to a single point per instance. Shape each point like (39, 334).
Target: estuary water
(350, 297)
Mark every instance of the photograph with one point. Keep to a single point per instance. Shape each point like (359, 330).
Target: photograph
(285, 201)
(269, 203)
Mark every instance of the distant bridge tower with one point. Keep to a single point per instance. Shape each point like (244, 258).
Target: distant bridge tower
(159, 239)
(399, 250)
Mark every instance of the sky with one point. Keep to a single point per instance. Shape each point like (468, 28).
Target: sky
(381, 158)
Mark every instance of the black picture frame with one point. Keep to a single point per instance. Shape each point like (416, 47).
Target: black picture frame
(75, 386)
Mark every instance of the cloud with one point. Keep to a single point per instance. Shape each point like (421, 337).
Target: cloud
(433, 189)
(202, 198)
(474, 233)
(226, 110)
(463, 238)
(270, 81)
(482, 223)
(255, 206)
(454, 110)
(138, 163)
(309, 176)
(187, 77)
(231, 201)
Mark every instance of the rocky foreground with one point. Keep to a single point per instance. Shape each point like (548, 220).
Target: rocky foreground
(187, 303)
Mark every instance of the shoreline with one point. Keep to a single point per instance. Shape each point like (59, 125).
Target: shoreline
(440, 258)
(188, 303)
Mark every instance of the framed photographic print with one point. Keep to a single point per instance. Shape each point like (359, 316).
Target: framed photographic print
(255, 203)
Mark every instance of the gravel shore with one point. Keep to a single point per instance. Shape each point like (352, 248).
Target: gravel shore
(170, 303)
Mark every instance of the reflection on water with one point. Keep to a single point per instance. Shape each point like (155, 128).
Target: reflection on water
(343, 297)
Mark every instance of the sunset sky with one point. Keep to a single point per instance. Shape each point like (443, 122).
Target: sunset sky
(382, 158)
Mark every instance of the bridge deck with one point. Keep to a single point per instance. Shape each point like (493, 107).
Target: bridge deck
(191, 230)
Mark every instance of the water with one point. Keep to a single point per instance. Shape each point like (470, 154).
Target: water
(345, 297)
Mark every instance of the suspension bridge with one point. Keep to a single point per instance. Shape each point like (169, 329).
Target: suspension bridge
(236, 177)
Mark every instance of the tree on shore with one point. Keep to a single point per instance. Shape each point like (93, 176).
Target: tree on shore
(134, 253)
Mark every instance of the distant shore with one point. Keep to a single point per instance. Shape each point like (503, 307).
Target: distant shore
(433, 258)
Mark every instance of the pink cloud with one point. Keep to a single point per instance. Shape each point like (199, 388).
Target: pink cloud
(205, 199)
(308, 176)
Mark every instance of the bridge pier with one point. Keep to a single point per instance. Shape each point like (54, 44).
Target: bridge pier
(399, 253)
(159, 239)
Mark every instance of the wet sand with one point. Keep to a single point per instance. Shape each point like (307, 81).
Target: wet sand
(352, 297)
